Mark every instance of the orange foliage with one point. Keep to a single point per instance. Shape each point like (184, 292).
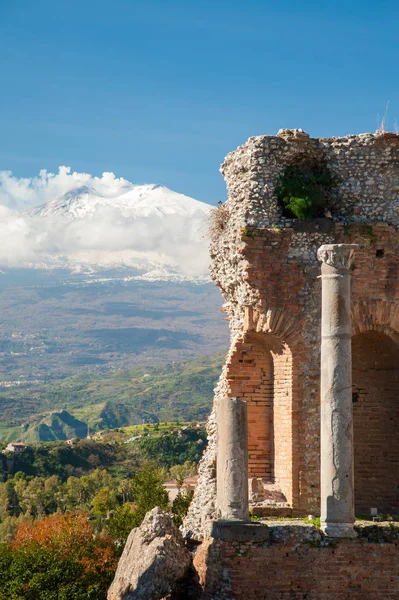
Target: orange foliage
(69, 535)
(56, 531)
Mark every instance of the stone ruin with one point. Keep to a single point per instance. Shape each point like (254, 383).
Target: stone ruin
(267, 266)
(306, 411)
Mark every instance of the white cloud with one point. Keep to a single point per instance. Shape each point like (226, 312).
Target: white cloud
(109, 233)
(19, 193)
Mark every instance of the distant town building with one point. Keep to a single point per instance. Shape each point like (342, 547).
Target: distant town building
(189, 485)
(16, 447)
(72, 441)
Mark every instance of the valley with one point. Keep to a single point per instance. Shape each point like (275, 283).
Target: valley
(73, 406)
(54, 324)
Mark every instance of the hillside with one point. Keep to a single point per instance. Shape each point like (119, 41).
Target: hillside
(55, 325)
(120, 451)
(61, 409)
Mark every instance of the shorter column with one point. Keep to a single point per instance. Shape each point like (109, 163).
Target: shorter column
(336, 435)
(232, 460)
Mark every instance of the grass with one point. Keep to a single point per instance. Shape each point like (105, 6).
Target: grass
(315, 521)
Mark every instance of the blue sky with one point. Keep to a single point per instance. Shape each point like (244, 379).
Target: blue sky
(158, 91)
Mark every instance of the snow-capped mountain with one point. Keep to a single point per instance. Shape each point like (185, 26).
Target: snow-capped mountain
(147, 228)
(136, 201)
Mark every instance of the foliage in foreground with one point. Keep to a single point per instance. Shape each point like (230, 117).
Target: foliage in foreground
(57, 558)
(64, 521)
(73, 556)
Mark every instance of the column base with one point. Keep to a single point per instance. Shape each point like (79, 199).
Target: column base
(338, 530)
(239, 531)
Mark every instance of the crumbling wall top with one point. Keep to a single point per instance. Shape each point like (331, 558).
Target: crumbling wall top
(365, 166)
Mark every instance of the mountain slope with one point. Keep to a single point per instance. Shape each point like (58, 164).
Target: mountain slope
(147, 228)
(138, 201)
(181, 391)
(91, 228)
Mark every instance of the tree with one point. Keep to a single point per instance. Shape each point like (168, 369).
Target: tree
(179, 472)
(103, 502)
(9, 505)
(148, 492)
(57, 558)
(33, 497)
(121, 524)
(180, 506)
(8, 527)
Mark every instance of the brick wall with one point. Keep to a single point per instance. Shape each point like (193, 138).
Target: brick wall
(276, 363)
(376, 422)
(294, 569)
(282, 421)
(250, 377)
(260, 372)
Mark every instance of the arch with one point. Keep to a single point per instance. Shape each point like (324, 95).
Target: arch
(276, 321)
(375, 381)
(250, 377)
(260, 372)
(375, 315)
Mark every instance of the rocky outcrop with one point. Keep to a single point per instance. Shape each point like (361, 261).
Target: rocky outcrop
(153, 562)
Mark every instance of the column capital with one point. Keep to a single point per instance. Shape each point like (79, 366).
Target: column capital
(338, 256)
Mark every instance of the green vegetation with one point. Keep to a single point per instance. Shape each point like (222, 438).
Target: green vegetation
(120, 451)
(61, 539)
(57, 558)
(179, 391)
(169, 449)
(364, 231)
(315, 521)
(113, 504)
(303, 192)
(64, 518)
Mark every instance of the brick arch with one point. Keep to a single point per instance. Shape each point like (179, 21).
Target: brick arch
(376, 315)
(275, 321)
(375, 389)
(260, 371)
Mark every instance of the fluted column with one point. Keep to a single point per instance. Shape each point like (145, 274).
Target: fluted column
(232, 460)
(336, 443)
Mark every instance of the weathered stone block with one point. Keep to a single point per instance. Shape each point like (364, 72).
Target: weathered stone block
(153, 562)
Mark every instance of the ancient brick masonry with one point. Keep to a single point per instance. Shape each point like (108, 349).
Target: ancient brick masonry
(267, 269)
(296, 563)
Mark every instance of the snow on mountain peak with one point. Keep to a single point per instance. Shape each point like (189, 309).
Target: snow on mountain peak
(138, 201)
(110, 223)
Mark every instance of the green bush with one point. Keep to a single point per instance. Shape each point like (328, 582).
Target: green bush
(303, 192)
(121, 524)
(181, 505)
(148, 492)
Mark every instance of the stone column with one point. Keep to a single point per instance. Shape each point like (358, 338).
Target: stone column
(336, 443)
(232, 460)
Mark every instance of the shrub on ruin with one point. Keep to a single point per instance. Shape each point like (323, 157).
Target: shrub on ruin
(217, 220)
(305, 192)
